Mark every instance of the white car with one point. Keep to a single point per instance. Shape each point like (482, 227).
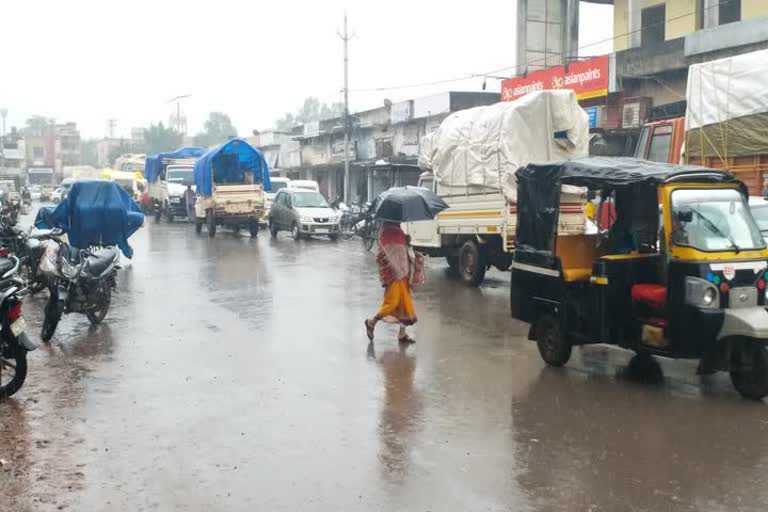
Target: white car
(58, 195)
(34, 191)
(304, 213)
(759, 207)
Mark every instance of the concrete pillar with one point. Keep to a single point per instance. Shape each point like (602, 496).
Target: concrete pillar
(633, 13)
(570, 10)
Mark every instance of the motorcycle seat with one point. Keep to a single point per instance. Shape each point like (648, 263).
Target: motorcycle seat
(101, 260)
(5, 265)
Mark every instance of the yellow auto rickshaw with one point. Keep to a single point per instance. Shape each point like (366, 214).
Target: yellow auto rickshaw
(677, 268)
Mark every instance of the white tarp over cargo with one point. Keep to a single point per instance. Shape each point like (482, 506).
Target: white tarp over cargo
(727, 107)
(725, 89)
(481, 148)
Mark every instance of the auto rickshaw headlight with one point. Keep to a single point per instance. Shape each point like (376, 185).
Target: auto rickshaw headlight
(701, 293)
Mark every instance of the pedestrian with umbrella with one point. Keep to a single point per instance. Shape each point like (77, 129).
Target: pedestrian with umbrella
(395, 259)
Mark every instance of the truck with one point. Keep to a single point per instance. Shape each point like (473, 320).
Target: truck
(470, 162)
(232, 181)
(168, 175)
(726, 121)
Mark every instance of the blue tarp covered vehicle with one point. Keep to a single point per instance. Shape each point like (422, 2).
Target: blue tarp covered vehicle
(228, 164)
(231, 182)
(96, 212)
(154, 163)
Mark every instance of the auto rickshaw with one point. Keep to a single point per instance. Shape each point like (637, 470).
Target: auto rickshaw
(679, 271)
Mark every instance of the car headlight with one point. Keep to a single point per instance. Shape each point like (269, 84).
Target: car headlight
(701, 293)
(306, 220)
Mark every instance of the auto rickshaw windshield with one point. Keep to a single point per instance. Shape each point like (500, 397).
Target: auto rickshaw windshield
(713, 220)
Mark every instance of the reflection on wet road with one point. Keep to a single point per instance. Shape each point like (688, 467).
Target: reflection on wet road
(234, 374)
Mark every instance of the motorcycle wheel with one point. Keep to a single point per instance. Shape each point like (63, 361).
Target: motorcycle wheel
(52, 316)
(97, 315)
(13, 361)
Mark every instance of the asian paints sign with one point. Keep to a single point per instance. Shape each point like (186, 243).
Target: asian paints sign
(587, 78)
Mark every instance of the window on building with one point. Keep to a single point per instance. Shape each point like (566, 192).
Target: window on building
(729, 11)
(37, 152)
(652, 25)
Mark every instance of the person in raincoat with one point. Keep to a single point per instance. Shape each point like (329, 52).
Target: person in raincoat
(394, 262)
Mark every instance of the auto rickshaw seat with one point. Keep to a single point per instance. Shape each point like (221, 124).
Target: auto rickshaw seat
(576, 253)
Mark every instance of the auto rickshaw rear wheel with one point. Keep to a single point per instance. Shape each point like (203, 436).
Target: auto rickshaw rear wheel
(554, 347)
(749, 370)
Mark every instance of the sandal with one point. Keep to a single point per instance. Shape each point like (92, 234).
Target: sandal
(369, 329)
(406, 339)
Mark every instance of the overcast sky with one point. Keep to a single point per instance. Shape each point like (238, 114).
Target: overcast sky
(91, 60)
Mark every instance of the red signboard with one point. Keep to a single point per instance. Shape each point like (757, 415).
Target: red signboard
(588, 78)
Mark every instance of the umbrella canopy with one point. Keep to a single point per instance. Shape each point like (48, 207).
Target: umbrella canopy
(407, 204)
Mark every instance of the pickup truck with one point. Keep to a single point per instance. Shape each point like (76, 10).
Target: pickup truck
(471, 161)
(232, 181)
(168, 175)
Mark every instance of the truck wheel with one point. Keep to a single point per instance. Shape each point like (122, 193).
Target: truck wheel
(555, 349)
(472, 263)
(198, 225)
(253, 227)
(211, 219)
(749, 370)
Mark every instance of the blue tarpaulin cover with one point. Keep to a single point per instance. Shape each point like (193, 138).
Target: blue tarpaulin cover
(95, 212)
(154, 163)
(227, 164)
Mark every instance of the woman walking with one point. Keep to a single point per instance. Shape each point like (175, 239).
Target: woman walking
(395, 267)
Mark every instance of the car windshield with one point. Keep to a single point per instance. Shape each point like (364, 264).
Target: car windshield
(760, 214)
(309, 200)
(713, 220)
(179, 174)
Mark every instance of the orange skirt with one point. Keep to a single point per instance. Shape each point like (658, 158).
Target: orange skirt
(398, 304)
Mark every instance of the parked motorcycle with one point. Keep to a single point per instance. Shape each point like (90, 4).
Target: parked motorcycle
(14, 342)
(80, 281)
(28, 247)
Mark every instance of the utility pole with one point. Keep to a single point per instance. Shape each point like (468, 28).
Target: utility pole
(345, 39)
(3, 114)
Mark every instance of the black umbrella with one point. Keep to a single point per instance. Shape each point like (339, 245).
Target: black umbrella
(407, 204)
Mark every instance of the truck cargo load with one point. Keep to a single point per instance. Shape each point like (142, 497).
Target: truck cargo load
(727, 110)
(471, 162)
(480, 149)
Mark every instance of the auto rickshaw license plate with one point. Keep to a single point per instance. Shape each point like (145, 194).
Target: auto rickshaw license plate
(18, 327)
(653, 336)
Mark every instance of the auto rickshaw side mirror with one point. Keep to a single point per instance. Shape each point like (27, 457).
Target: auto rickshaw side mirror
(684, 216)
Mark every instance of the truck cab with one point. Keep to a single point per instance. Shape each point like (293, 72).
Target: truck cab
(662, 141)
(167, 193)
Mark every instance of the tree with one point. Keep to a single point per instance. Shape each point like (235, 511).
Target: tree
(217, 129)
(311, 110)
(159, 138)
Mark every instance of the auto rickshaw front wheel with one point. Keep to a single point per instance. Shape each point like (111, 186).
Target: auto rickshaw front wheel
(554, 347)
(749, 370)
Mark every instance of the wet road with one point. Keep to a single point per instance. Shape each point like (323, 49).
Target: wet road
(234, 375)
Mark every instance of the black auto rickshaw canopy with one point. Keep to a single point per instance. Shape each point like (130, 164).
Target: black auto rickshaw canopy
(632, 181)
